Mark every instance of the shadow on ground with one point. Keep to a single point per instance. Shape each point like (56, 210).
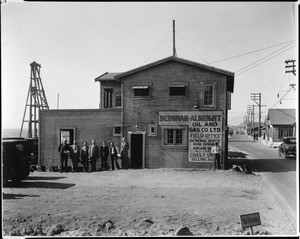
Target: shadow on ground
(43, 178)
(26, 184)
(16, 196)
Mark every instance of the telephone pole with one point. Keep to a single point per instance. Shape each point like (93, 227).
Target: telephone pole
(293, 66)
(250, 110)
(256, 97)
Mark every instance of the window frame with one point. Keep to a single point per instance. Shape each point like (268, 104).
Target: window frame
(150, 126)
(111, 97)
(213, 97)
(70, 129)
(141, 86)
(179, 84)
(117, 91)
(184, 129)
(114, 130)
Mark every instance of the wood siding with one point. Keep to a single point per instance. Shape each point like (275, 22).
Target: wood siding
(144, 111)
(88, 125)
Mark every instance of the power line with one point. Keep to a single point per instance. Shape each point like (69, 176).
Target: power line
(193, 49)
(264, 57)
(250, 52)
(156, 49)
(262, 61)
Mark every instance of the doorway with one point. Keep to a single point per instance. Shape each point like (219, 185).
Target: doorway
(136, 150)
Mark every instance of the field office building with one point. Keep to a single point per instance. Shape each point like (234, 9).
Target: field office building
(171, 112)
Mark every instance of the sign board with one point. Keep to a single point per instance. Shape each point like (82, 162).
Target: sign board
(250, 220)
(204, 129)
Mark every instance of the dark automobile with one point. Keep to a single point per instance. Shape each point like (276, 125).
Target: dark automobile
(288, 147)
(32, 150)
(16, 159)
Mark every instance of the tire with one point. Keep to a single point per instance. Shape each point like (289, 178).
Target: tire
(294, 150)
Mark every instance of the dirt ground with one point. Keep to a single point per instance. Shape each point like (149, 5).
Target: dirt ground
(144, 202)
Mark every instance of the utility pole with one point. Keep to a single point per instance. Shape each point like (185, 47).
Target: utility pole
(174, 49)
(290, 66)
(250, 110)
(256, 97)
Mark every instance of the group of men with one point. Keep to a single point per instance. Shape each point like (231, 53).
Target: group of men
(89, 155)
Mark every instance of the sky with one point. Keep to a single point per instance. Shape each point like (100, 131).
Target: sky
(75, 42)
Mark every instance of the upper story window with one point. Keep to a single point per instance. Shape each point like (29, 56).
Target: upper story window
(177, 90)
(141, 90)
(112, 97)
(208, 95)
(118, 99)
(107, 103)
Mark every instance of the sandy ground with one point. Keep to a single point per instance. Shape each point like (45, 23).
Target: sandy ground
(145, 202)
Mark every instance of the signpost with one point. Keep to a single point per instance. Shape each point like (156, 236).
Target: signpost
(250, 220)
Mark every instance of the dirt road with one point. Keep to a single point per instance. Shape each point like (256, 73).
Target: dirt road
(148, 202)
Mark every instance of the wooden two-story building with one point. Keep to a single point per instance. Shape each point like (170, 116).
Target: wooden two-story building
(170, 111)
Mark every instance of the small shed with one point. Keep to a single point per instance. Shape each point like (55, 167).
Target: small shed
(280, 123)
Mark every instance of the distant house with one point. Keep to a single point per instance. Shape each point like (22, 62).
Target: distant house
(280, 123)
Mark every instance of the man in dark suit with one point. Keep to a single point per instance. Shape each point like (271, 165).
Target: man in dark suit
(63, 150)
(114, 156)
(75, 155)
(93, 155)
(104, 152)
(124, 153)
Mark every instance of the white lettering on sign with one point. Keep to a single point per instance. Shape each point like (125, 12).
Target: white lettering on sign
(204, 129)
(250, 220)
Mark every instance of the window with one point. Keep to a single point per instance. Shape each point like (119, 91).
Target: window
(118, 99)
(285, 132)
(177, 90)
(117, 131)
(67, 134)
(107, 102)
(173, 136)
(208, 95)
(141, 90)
(152, 130)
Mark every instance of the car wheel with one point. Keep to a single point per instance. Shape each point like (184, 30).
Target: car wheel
(294, 150)
(285, 155)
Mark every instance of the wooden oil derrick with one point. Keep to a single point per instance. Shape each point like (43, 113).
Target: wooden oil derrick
(36, 100)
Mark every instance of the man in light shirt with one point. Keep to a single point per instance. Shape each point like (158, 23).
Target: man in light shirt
(93, 155)
(216, 151)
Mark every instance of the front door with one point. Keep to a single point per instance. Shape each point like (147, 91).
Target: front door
(136, 151)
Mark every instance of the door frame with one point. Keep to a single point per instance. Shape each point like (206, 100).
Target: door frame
(129, 141)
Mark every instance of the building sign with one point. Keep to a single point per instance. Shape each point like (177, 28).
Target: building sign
(204, 129)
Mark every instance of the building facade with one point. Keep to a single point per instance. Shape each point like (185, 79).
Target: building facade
(280, 123)
(170, 111)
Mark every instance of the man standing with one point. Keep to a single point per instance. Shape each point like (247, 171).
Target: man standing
(63, 150)
(124, 153)
(216, 151)
(104, 152)
(93, 155)
(74, 155)
(84, 155)
(114, 156)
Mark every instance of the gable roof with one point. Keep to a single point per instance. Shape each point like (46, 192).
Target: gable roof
(228, 74)
(282, 116)
(107, 76)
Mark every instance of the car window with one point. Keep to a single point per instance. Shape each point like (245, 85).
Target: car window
(19, 147)
(291, 141)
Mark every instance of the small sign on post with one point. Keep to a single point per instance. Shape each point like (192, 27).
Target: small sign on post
(250, 220)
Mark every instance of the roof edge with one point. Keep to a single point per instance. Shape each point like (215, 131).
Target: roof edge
(178, 59)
